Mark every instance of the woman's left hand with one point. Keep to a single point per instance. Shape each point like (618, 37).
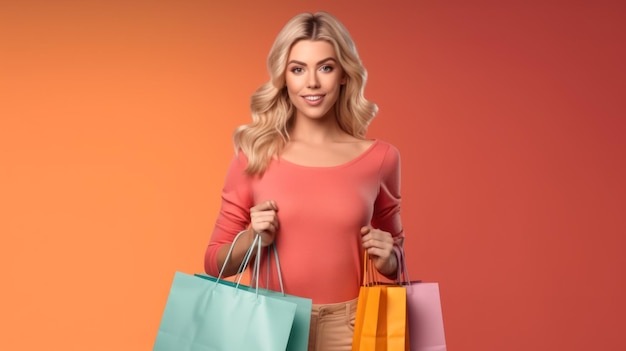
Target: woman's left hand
(379, 246)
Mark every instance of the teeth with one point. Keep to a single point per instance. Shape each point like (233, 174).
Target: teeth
(313, 98)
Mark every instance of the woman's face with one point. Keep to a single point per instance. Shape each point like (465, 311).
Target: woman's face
(313, 78)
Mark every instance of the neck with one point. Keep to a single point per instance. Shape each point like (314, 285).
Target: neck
(315, 130)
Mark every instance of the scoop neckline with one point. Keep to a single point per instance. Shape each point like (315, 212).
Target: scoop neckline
(341, 165)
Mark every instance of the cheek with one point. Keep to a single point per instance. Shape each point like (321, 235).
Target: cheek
(292, 86)
(291, 94)
(334, 82)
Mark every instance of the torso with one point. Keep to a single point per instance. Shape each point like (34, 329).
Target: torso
(323, 200)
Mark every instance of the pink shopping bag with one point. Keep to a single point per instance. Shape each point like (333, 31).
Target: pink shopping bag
(425, 317)
(423, 305)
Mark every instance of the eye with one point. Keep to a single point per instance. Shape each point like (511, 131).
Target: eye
(296, 70)
(326, 68)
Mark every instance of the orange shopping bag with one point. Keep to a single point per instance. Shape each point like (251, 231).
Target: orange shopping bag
(381, 316)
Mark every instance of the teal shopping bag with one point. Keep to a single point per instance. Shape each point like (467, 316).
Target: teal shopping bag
(208, 315)
(202, 315)
(299, 337)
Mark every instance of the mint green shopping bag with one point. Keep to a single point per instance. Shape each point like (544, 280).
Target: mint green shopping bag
(204, 315)
(299, 337)
(207, 315)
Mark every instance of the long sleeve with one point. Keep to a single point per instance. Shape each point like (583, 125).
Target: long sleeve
(234, 215)
(387, 206)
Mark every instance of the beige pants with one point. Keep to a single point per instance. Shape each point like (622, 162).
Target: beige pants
(332, 326)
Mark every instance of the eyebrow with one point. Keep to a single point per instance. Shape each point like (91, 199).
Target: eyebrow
(318, 63)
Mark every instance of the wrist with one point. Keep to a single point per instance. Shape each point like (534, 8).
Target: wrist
(390, 267)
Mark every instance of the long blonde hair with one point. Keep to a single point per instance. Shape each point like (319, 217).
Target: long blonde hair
(270, 107)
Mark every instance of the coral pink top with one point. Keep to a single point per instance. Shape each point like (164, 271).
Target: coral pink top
(321, 211)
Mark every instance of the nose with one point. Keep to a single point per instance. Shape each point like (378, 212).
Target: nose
(312, 80)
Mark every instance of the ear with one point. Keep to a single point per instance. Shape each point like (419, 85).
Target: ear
(344, 80)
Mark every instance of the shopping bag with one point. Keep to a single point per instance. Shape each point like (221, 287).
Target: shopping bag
(426, 327)
(425, 317)
(205, 315)
(299, 336)
(381, 322)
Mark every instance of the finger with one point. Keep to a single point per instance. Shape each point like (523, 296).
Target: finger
(268, 216)
(372, 234)
(369, 243)
(268, 228)
(265, 206)
(377, 243)
(275, 223)
(378, 253)
(369, 240)
(366, 242)
(382, 236)
(365, 230)
(262, 227)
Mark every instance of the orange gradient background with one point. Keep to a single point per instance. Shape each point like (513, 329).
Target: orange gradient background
(115, 126)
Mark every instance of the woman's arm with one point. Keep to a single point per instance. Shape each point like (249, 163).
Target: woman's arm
(388, 235)
(233, 217)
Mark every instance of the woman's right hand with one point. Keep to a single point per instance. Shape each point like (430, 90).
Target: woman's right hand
(264, 220)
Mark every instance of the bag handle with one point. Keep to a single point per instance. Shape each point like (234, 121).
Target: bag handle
(403, 270)
(230, 251)
(256, 244)
(270, 249)
(280, 275)
(369, 278)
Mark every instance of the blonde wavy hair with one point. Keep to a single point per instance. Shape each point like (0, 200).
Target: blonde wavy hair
(271, 110)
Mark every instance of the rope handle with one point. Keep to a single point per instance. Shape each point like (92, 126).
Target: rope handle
(256, 245)
(369, 278)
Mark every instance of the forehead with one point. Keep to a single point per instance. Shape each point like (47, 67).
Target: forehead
(311, 51)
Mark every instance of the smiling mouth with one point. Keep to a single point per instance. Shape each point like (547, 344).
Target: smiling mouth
(313, 97)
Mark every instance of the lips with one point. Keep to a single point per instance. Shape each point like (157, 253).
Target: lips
(313, 99)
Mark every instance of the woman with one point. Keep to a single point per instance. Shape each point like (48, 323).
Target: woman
(305, 178)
